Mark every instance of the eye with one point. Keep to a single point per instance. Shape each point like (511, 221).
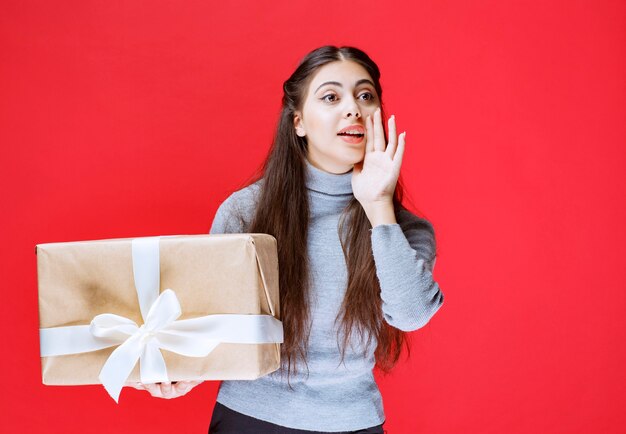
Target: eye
(368, 97)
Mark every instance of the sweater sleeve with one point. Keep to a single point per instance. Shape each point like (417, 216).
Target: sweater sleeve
(234, 214)
(404, 254)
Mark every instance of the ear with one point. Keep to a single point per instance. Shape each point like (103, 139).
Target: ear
(297, 123)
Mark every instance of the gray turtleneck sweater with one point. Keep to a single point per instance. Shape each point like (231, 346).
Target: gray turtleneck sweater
(337, 396)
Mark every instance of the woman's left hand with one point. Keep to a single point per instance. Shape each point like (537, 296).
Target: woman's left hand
(374, 179)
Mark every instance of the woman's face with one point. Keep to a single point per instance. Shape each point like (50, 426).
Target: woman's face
(341, 94)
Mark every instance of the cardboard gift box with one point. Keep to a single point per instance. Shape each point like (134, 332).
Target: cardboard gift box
(182, 307)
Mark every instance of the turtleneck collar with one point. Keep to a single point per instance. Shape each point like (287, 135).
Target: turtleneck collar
(325, 182)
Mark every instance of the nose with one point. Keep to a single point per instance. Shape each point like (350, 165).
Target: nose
(352, 109)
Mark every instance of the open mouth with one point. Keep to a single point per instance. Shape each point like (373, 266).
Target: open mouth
(351, 135)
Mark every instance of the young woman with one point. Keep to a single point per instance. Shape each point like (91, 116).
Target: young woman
(355, 265)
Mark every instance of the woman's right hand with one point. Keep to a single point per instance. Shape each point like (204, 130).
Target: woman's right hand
(166, 390)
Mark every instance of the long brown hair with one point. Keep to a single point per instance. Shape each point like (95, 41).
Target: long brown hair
(283, 211)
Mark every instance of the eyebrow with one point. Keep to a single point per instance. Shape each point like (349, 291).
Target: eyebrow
(336, 83)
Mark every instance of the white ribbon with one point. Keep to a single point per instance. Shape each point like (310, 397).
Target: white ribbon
(195, 337)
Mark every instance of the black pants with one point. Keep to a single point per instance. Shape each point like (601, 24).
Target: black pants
(227, 421)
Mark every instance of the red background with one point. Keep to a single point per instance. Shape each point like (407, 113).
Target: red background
(124, 119)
